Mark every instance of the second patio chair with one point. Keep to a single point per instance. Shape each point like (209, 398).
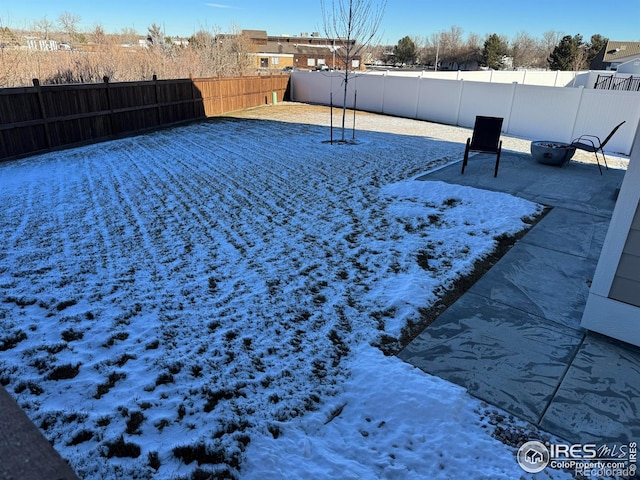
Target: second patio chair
(592, 143)
(485, 138)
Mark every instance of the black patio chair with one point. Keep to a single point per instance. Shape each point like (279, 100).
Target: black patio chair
(485, 138)
(592, 143)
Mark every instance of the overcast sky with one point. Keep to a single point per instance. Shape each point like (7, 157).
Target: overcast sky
(619, 20)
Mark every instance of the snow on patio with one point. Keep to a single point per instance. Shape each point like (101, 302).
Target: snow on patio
(205, 299)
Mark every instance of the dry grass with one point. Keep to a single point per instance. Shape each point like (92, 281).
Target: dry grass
(18, 67)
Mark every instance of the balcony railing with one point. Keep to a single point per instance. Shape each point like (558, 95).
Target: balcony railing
(612, 82)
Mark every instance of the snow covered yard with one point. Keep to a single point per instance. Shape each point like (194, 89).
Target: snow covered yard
(206, 300)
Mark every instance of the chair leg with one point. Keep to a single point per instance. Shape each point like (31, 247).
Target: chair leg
(495, 172)
(604, 159)
(466, 155)
(598, 162)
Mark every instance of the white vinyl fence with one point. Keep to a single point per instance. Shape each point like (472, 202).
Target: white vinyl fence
(526, 77)
(535, 112)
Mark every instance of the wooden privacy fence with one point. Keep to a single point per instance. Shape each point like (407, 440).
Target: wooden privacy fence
(49, 117)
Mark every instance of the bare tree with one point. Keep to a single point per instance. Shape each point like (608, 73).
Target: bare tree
(220, 54)
(524, 50)
(373, 53)
(10, 58)
(98, 35)
(44, 27)
(450, 45)
(68, 23)
(353, 25)
(430, 51)
(470, 53)
(422, 45)
(236, 53)
(448, 48)
(129, 36)
(546, 45)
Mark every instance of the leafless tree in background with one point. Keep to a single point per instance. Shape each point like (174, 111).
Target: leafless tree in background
(428, 50)
(449, 48)
(98, 35)
(450, 45)
(347, 21)
(470, 53)
(215, 53)
(68, 23)
(546, 45)
(121, 57)
(44, 27)
(10, 58)
(128, 36)
(524, 50)
(373, 53)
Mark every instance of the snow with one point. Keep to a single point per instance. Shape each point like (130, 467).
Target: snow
(397, 423)
(209, 297)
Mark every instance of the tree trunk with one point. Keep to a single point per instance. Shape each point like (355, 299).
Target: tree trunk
(344, 102)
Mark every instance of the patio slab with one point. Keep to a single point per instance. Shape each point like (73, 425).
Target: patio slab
(570, 231)
(541, 281)
(503, 355)
(24, 451)
(599, 398)
(576, 186)
(514, 338)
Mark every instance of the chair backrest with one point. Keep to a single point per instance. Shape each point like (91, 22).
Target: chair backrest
(615, 129)
(486, 134)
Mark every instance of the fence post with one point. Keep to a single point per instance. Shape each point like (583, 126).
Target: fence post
(355, 106)
(194, 108)
(43, 112)
(3, 148)
(575, 117)
(220, 83)
(156, 89)
(105, 79)
(459, 106)
(513, 99)
(331, 117)
(415, 115)
(384, 89)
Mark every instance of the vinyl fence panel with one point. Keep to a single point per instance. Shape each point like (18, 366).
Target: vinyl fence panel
(439, 101)
(601, 110)
(536, 112)
(488, 99)
(544, 113)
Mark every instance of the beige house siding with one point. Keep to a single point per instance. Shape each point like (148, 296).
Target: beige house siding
(613, 304)
(626, 282)
(273, 61)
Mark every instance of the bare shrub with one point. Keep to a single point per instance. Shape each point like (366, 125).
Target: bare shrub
(209, 53)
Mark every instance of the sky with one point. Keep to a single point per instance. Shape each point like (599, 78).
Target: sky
(418, 19)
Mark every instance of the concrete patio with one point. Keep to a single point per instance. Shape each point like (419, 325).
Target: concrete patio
(24, 451)
(514, 339)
